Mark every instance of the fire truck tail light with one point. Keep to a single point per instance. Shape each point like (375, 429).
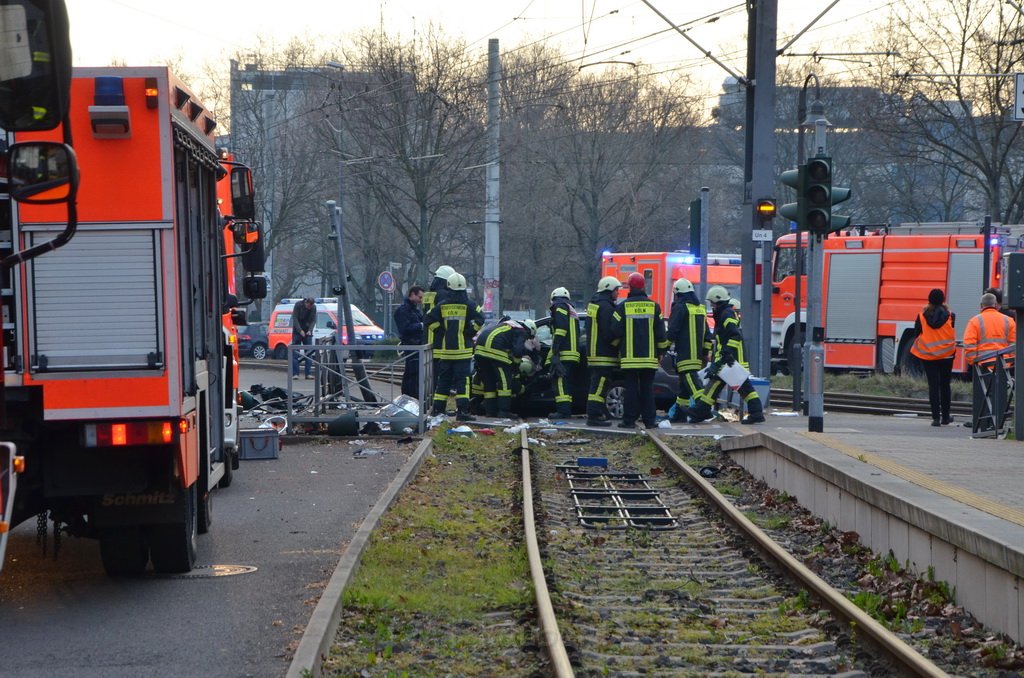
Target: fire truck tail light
(183, 425)
(19, 464)
(152, 92)
(129, 433)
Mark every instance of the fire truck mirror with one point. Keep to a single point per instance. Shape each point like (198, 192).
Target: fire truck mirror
(35, 64)
(1013, 279)
(254, 256)
(245, 232)
(255, 287)
(243, 206)
(238, 317)
(42, 172)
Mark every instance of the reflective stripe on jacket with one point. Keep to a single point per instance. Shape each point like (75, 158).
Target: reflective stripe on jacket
(934, 343)
(602, 351)
(688, 328)
(988, 332)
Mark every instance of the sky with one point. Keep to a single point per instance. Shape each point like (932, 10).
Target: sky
(145, 32)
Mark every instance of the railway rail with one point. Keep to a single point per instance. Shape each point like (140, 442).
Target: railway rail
(689, 595)
(857, 403)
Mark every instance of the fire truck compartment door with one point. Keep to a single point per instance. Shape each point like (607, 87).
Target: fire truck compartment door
(962, 290)
(95, 303)
(852, 307)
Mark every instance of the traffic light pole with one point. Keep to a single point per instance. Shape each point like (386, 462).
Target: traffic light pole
(816, 353)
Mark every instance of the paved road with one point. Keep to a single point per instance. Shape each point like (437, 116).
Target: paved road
(289, 517)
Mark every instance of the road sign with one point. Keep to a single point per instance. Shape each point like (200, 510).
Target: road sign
(1018, 98)
(386, 281)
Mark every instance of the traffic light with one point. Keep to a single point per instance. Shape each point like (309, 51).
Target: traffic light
(766, 210)
(795, 211)
(818, 194)
(695, 227)
(839, 222)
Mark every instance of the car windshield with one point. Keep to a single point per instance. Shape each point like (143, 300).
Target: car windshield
(359, 318)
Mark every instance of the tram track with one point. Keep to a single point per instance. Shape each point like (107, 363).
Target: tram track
(858, 403)
(694, 600)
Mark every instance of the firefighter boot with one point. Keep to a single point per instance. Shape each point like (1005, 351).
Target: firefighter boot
(679, 415)
(503, 405)
(755, 411)
(464, 415)
(491, 407)
(699, 412)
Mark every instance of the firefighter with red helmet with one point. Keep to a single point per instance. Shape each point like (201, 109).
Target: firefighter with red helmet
(640, 329)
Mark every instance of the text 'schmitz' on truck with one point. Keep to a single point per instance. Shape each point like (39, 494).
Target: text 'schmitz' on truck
(120, 377)
(875, 282)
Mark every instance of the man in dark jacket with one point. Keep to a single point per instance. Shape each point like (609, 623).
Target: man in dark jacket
(602, 348)
(640, 329)
(454, 322)
(688, 330)
(303, 323)
(409, 325)
(728, 351)
(564, 356)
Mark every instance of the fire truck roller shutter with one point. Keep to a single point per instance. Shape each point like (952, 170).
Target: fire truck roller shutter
(96, 302)
(852, 309)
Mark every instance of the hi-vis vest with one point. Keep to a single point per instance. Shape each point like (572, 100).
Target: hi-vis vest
(643, 333)
(986, 333)
(935, 344)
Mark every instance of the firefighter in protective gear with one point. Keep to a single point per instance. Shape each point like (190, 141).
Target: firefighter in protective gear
(602, 349)
(433, 296)
(688, 330)
(498, 353)
(564, 356)
(728, 350)
(454, 323)
(640, 329)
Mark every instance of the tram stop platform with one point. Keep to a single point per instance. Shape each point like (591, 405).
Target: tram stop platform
(941, 501)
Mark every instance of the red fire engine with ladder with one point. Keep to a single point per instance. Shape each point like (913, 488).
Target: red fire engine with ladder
(120, 380)
(875, 284)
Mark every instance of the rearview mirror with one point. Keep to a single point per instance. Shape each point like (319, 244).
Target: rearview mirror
(254, 287)
(42, 172)
(35, 64)
(243, 205)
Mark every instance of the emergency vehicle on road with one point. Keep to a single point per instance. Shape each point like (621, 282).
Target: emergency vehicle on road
(874, 285)
(661, 269)
(126, 422)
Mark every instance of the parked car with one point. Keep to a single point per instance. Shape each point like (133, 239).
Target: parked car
(536, 396)
(253, 341)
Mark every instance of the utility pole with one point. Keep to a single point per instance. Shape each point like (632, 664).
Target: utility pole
(492, 216)
(759, 166)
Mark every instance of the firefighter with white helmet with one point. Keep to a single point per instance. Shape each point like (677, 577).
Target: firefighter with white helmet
(688, 330)
(602, 348)
(564, 356)
(728, 351)
(640, 329)
(454, 322)
(433, 296)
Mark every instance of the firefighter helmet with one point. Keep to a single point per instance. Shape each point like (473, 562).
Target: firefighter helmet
(531, 327)
(636, 281)
(609, 283)
(682, 286)
(718, 294)
(444, 272)
(526, 366)
(735, 303)
(559, 292)
(456, 282)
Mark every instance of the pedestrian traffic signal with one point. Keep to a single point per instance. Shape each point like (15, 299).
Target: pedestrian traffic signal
(795, 211)
(818, 194)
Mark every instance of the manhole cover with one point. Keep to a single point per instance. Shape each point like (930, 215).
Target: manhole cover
(206, 571)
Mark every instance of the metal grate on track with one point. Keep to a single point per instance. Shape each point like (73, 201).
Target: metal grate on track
(615, 499)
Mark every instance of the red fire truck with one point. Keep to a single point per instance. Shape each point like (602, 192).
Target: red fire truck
(119, 384)
(661, 269)
(874, 285)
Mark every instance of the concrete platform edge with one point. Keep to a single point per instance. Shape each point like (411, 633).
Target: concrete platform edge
(323, 624)
(977, 554)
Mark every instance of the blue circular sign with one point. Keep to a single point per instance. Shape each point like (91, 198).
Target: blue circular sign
(386, 281)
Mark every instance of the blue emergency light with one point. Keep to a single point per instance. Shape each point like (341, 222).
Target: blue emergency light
(109, 91)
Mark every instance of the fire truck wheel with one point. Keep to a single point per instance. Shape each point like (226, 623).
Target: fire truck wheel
(172, 546)
(123, 550)
(280, 352)
(909, 365)
(613, 401)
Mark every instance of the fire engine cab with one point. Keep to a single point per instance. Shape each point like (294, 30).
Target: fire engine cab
(874, 285)
(119, 385)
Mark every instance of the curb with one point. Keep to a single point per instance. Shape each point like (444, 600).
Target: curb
(323, 625)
